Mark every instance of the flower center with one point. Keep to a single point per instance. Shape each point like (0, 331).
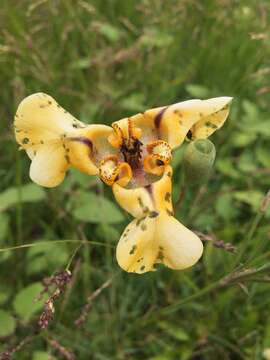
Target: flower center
(144, 162)
(131, 150)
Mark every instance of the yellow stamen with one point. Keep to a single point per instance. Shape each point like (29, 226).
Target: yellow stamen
(159, 155)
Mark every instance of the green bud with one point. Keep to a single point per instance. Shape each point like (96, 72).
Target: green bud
(198, 161)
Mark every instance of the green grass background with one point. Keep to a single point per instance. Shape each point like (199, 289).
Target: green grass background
(103, 60)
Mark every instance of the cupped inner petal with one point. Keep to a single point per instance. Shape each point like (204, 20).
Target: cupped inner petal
(159, 156)
(49, 165)
(112, 171)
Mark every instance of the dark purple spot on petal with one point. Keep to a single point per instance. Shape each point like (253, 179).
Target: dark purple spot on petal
(84, 141)
(158, 117)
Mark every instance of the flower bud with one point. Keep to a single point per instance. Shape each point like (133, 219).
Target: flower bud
(198, 161)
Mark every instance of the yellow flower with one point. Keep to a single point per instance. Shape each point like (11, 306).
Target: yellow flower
(133, 157)
(154, 236)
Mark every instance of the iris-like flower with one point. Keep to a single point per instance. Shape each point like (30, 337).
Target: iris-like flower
(132, 156)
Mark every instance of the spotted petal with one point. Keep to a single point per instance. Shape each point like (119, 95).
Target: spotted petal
(39, 118)
(155, 236)
(46, 131)
(201, 117)
(159, 239)
(136, 250)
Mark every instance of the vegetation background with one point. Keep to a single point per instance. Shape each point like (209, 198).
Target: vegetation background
(103, 60)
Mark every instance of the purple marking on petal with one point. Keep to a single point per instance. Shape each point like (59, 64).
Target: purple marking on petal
(149, 189)
(159, 116)
(84, 141)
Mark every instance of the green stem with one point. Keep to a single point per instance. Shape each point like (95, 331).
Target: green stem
(250, 235)
(54, 242)
(181, 197)
(19, 203)
(73, 256)
(228, 280)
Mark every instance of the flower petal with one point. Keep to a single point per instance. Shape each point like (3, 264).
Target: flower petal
(124, 131)
(49, 166)
(179, 248)
(159, 156)
(88, 146)
(39, 119)
(112, 171)
(161, 192)
(209, 124)
(174, 121)
(136, 201)
(155, 236)
(136, 250)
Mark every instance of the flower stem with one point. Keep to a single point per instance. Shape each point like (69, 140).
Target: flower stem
(73, 256)
(181, 197)
(88, 242)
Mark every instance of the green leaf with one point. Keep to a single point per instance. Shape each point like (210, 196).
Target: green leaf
(197, 91)
(258, 127)
(108, 232)
(26, 193)
(242, 139)
(42, 355)
(4, 294)
(4, 226)
(176, 332)
(96, 209)
(82, 63)
(8, 324)
(251, 110)
(111, 32)
(24, 302)
(251, 197)
(246, 162)
(157, 38)
(5, 255)
(225, 206)
(262, 155)
(134, 102)
(46, 256)
(227, 167)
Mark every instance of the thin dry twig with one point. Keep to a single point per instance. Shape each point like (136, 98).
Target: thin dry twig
(220, 244)
(7, 355)
(66, 353)
(86, 309)
(265, 202)
(245, 275)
